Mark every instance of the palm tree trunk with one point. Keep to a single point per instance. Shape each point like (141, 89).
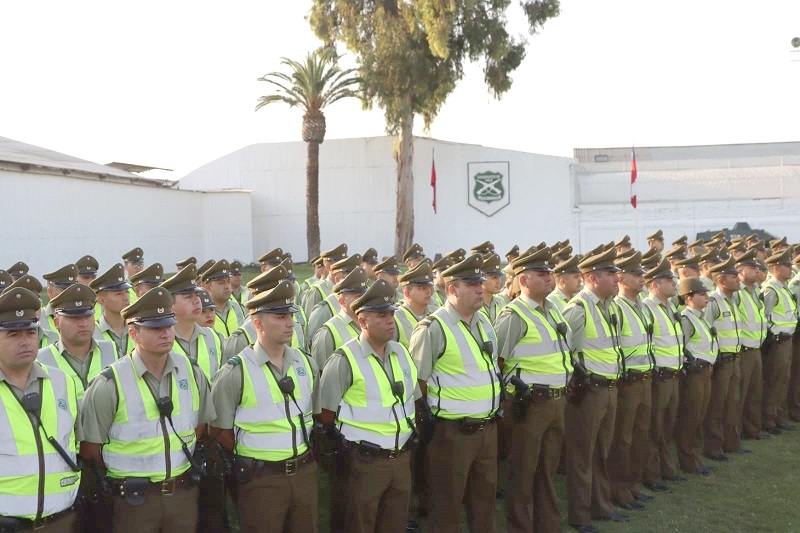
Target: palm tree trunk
(312, 198)
(404, 155)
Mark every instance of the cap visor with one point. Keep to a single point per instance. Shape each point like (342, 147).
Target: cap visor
(378, 308)
(17, 325)
(162, 322)
(187, 290)
(276, 310)
(392, 270)
(85, 311)
(117, 287)
(472, 279)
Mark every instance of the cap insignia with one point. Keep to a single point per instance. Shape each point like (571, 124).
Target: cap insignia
(385, 298)
(19, 313)
(78, 304)
(160, 310)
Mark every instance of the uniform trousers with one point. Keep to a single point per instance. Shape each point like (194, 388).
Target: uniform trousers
(213, 496)
(794, 383)
(379, 489)
(628, 452)
(462, 468)
(271, 501)
(750, 392)
(160, 513)
(590, 429)
(694, 397)
(531, 501)
(723, 401)
(777, 358)
(69, 523)
(660, 461)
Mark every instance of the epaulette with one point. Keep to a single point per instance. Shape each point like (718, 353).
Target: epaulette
(235, 360)
(425, 322)
(107, 373)
(338, 352)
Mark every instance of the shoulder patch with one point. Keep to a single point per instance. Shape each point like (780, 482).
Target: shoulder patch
(193, 360)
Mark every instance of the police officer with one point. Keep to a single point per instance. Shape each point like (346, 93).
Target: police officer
(239, 293)
(208, 314)
(388, 270)
(112, 293)
(595, 320)
(492, 303)
(18, 269)
(667, 344)
(656, 240)
(87, 269)
(568, 282)
(218, 283)
(38, 485)
(147, 278)
(146, 442)
(628, 452)
(57, 281)
(368, 389)
(318, 273)
(133, 262)
(675, 255)
(202, 345)
(455, 350)
(26, 281)
(368, 261)
(183, 263)
(753, 329)
(780, 311)
(5, 280)
(271, 259)
(722, 417)
(533, 340)
(623, 245)
(417, 293)
(413, 256)
(327, 308)
(76, 353)
(324, 286)
(701, 349)
(245, 335)
(483, 248)
(343, 326)
(265, 398)
(439, 296)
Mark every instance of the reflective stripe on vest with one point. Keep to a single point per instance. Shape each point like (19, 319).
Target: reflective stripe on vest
(231, 321)
(667, 335)
(539, 354)
(332, 301)
(783, 318)
(369, 410)
(340, 331)
(136, 446)
(634, 336)
(20, 473)
(752, 324)
(263, 429)
(101, 356)
(121, 350)
(727, 325)
(557, 301)
(701, 345)
(493, 308)
(209, 352)
(600, 339)
(405, 321)
(464, 379)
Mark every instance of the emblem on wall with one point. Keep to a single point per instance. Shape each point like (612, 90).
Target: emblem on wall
(488, 186)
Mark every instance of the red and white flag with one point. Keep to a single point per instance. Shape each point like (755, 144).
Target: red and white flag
(433, 181)
(633, 177)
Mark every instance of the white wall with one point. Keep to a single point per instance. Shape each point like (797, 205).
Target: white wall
(357, 195)
(51, 220)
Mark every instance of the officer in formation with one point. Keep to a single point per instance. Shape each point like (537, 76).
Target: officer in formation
(705, 366)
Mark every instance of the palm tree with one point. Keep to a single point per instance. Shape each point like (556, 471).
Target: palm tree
(311, 85)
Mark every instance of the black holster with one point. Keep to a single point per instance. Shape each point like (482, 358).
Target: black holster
(8, 524)
(577, 388)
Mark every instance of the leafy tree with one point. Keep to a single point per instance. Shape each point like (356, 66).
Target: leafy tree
(411, 55)
(312, 85)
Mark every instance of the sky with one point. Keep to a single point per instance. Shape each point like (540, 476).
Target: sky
(174, 84)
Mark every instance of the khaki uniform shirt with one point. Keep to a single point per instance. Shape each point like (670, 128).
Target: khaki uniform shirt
(427, 343)
(227, 388)
(337, 376)
(120, 341)
(100, 400)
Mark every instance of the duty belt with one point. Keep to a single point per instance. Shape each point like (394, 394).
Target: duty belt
(260, 468)
(634, 376)
(726, 358)
(468, 425)
(545, 392)
(372, 450)
(746, 349)
(10, 523)
(126, 488)
(598, 381)
(665, 374)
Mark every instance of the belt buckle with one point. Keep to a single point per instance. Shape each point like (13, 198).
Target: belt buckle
(290, 467)
(611, 383)
(168, 487)
(39, 524)
(393, 454)
(555, 393)
(481, 425)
